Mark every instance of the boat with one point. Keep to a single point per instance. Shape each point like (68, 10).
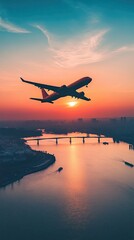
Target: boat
(59, 169)
(129, 164)
(105, 143)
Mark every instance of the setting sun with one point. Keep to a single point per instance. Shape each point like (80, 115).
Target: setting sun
(72, 104)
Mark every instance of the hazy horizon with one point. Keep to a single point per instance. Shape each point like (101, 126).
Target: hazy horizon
(68, 120)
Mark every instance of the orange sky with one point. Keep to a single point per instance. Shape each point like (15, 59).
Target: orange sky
(111, 92)
(39, 54)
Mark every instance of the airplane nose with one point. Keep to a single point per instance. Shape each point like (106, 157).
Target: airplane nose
(90, 79)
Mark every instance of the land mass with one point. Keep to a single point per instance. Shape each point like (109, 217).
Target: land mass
(17, 159)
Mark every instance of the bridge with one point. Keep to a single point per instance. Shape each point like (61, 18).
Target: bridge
(66, 137)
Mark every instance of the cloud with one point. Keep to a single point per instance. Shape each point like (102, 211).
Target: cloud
(124, 49)
(10, 27)
(83, 51)
(44, 31)
(75, 51)
(86, 49)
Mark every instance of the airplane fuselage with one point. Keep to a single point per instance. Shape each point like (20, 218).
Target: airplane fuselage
(62, 91)
(69, 90)
(80, 83)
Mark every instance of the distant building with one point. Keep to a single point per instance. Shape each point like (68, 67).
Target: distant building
(94, 120)
(123, 119)
(80, 119)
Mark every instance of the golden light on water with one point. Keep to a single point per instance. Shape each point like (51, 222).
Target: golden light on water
(72, 104)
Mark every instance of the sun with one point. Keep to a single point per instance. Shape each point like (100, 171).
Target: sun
(72, 104)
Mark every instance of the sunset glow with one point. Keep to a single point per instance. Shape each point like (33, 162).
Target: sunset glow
(58, 49)
(72, 104)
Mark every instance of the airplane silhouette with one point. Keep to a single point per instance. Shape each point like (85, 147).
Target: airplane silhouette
(62, 91)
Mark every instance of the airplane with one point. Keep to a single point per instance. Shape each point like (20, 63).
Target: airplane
(62, 91)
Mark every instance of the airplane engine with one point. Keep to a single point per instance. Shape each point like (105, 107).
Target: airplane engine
(63, 87)
(82, 94)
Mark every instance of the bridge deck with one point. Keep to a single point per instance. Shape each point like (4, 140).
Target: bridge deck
(66, 137)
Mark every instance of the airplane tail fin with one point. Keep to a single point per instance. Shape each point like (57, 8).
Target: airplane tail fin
(44, 93)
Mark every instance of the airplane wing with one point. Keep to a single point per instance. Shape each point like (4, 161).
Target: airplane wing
(40, 85)
(85, 98)
(80, 95)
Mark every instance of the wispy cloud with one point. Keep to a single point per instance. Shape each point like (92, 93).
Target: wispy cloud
(44, 31)
(10, 27)
(124, 49)
(83, 51)
(75, 52)
(86, 49)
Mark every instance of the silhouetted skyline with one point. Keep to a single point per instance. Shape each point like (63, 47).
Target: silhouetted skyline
(117, 128)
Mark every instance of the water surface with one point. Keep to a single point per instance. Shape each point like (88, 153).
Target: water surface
(92, 198)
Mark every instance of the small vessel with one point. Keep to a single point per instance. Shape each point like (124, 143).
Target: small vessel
(105, 143)
(59, 169)
(129, 164)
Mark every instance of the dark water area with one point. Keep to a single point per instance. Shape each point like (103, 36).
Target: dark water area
(91, 198)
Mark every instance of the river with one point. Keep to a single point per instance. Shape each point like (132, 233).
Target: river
(91, 198)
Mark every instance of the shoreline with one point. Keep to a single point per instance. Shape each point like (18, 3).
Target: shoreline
(16, 177)
(18, 165)
(23, 169)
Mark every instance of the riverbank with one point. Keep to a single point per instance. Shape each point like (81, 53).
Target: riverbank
(18, 160)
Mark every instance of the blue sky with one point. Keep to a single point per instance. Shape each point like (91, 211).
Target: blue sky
(102, 28)
(67, 17)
